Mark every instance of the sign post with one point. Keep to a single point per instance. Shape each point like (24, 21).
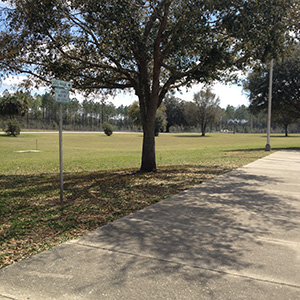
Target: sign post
(61, 96)
(61, 155)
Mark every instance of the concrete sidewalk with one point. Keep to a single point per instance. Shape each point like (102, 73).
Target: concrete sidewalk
(234, 237)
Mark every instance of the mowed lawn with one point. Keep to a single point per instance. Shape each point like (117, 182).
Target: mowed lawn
(101, 180)
(86, 152)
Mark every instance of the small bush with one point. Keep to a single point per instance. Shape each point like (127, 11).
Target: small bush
(12, 127)
(107, 128)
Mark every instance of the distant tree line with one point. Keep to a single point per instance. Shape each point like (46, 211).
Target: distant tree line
(202, 114)
(43, 113)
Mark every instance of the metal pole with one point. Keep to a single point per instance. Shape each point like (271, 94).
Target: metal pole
(268, 145)
(61, 155)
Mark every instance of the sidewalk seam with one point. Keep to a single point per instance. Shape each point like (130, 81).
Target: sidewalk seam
(6, 297)
(194, 266)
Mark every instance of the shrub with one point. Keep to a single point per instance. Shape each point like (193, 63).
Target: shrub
(107, 128)
(12, 127)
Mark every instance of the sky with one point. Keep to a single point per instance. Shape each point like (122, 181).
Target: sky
(228, 94)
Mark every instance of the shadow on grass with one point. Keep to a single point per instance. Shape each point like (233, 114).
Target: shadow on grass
(4, 135)
(262, 149)
(193, 135)
(33, 219)
(283, 136)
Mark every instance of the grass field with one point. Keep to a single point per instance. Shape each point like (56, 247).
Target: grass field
(101, 182)
(95, 151)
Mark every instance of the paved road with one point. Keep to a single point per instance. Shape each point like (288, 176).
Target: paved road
(234, 237)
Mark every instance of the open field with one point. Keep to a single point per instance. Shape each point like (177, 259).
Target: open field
(86, 152)
(101, 182)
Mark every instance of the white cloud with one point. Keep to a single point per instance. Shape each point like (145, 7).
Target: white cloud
(123, 99)
(8, 90)
(12, 80)
(228, 94)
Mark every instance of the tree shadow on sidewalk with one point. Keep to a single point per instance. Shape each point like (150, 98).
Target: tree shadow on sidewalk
(212, 227)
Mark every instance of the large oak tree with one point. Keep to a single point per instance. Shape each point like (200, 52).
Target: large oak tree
(148, 46)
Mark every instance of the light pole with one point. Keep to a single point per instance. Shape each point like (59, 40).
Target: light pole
(268, 145)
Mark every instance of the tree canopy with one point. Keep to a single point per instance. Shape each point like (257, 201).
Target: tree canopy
(174, 112)
(286, 90)
(149, 46)
(14, 105)
(204, 110)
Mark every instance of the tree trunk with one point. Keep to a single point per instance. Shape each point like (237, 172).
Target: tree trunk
(203, 129)
(168, 128)
(149, 103)
(286, 130)
(148, 154)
